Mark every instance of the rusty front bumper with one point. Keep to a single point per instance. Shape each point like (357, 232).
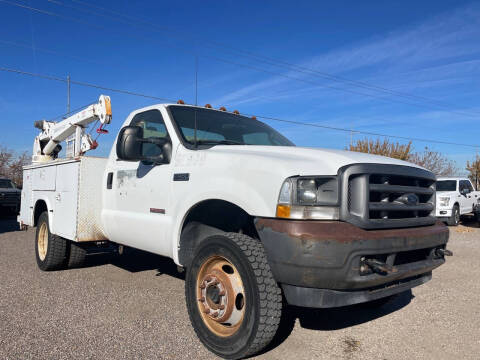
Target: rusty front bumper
(319, 263)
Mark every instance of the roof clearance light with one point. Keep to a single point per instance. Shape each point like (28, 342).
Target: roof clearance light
(254, 117)
(208, 106)
(223, 108)
(181, 102)
(236, 112)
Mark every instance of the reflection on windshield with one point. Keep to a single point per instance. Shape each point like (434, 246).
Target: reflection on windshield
(447, 185)
(216, 127)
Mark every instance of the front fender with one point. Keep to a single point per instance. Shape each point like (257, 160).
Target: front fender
(247, 198)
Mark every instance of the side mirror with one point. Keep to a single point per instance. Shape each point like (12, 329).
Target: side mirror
(130, 146)
(465, 191)
(129, 143)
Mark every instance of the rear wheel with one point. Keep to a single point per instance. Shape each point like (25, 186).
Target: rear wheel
(454, 219)
(233, 301)
(50, 250)
(77, 256)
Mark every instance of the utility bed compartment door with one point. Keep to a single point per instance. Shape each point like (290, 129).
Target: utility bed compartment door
(44, 178)
(66, 200)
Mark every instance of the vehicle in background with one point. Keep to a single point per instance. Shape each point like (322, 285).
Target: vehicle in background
(456, 196)
(254, 220)
(9, 196)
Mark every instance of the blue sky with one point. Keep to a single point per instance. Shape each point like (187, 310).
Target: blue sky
(425, 48)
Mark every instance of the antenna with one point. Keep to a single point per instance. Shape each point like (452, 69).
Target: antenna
(196, 102)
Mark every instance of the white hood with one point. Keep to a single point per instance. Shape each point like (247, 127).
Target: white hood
(302, 160)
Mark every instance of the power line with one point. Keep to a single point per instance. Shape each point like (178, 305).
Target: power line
(80, 83)
(48, 77)
(265, 59)
(49, 13)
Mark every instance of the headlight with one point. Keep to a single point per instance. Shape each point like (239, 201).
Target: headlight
(309, 198)
(444, 201)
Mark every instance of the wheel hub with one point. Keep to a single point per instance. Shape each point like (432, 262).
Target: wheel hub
(42, 241)
(219, 285)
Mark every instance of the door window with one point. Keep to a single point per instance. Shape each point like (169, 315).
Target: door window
(464, 184)
(153, 126)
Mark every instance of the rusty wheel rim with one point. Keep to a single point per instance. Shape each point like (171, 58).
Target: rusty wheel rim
(42, 241)
(220, 296)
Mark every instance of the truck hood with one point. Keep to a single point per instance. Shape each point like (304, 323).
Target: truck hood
(303, 160)
(446, 193)
(9, 190)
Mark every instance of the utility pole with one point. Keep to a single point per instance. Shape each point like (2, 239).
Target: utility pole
(68, 94)
(196, 80)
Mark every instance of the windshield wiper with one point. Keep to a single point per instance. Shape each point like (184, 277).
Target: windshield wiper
(219, 142)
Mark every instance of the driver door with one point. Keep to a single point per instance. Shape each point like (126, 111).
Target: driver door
(141, 193)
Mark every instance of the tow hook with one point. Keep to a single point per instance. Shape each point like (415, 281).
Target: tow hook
(378, 266)
(443, 252)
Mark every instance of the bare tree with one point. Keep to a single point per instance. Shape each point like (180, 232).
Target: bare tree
(429, 159)
(11, 164)
(474, 171)
(385, 148)
(434, 161)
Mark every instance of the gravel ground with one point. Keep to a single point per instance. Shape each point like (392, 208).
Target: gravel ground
(133, 308)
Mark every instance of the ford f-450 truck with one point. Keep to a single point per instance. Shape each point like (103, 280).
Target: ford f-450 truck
(255, 221)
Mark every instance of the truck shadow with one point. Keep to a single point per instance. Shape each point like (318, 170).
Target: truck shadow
(334, 318)
(469, 221)
(134, 261)
(8, 223)
(314, 319)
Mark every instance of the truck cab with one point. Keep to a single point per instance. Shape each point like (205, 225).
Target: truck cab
(456, 196)
(254, 220)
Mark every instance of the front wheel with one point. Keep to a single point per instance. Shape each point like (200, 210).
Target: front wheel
(233, 301)
(454, 220)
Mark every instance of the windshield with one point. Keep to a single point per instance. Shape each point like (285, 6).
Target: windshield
(6, 184)
(216, 127)
(447, 185)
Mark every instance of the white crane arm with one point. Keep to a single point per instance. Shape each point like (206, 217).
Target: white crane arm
(46, 143)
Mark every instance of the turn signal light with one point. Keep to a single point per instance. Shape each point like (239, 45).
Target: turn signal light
(283, 211)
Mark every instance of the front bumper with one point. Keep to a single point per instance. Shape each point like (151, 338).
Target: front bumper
(443, 213)
(319, 261)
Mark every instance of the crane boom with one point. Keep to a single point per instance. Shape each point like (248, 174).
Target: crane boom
(47, 144)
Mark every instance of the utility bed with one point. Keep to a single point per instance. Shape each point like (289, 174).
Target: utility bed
(71, 189)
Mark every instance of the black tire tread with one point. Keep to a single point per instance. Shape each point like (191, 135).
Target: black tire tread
(77, 255)
(56, 251)
(451, 219)
(270, 311)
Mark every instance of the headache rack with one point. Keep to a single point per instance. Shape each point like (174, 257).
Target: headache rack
(376, 196)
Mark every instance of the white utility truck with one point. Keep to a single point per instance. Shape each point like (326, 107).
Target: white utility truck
(456, 196)
(256, 222)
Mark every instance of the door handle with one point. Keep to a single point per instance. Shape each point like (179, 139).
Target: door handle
(109, 180)
(58, 197)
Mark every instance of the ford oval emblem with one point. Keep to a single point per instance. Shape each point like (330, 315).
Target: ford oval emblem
(408, 199)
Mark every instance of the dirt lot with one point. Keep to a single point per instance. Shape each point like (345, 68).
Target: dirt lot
(134, 307)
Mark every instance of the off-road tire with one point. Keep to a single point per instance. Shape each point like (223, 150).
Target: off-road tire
(56, 253)
(77, 256)
(263, 299)
(454, 219)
